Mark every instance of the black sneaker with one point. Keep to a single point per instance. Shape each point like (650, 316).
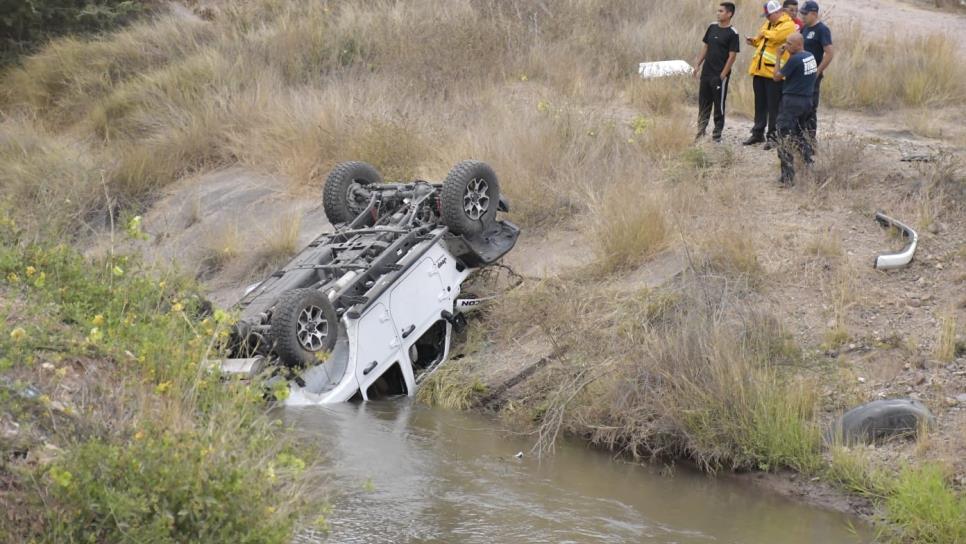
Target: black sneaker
(716, 138)
(699, 135)
(769, 145)
(753, 140)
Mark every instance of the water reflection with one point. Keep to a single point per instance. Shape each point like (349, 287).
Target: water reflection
(404, 472)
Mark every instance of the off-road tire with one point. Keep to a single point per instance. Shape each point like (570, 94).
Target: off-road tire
(335, 192)
(284, 327)
(458, 188)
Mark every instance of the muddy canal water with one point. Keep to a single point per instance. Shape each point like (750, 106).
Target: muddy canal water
(404, 472)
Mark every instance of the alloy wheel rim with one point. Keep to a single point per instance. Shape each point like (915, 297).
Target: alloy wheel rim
(476, 200)
(312, 328)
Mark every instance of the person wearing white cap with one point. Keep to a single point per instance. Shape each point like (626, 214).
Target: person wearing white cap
(771, 36)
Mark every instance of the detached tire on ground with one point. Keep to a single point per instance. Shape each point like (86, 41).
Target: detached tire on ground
(339, 198)
(469, 198)
(304, 326)
(883, 419)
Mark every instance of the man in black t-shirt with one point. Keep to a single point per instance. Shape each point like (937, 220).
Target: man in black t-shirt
(721, 44)
(818, 42)
(798, 75)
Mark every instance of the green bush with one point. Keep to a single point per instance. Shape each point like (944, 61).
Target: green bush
(163, 488)
(27, 23)
(155, 447)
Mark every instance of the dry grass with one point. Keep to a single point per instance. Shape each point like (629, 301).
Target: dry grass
(840, 292)
(882, 72)
(57, 185)
(841, 164)
(946, 342)
(630, 227)
(826, 246)
(730, 250)
(279, 245)
(221, 247)
(657, 373)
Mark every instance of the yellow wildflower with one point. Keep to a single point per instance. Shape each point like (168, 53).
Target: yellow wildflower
(30, 271)
(98, 320)
(18, 334)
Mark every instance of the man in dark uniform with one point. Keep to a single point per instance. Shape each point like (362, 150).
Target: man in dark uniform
(818, 42)
(798, 75)
(721, 44)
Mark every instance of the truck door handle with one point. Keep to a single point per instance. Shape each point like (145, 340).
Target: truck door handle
(369, 368)
(408, 330)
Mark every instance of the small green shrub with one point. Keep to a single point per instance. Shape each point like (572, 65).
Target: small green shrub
(924, 508)
(161, 449)
(164, 487)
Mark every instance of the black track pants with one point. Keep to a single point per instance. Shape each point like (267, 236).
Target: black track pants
(712, 95)
(768, 96)
(791, 133)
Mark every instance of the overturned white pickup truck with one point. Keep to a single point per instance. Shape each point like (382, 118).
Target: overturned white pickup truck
(363, 311)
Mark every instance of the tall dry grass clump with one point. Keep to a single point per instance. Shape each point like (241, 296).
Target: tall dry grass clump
(62, 80)
(57, 185)
(629, 227)
(886, 71)
(671, 372)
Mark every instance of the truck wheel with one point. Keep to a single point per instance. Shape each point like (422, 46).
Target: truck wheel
(344, 195)
(470, 196)
(304, 327)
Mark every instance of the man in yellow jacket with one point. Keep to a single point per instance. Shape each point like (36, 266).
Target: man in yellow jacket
(768, 92)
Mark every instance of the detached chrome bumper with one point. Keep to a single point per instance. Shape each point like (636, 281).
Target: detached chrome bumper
(889, 261)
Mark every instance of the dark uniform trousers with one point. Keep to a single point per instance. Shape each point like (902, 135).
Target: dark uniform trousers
(712, 94)
(811, 123)
(795, 111)
(768, 97)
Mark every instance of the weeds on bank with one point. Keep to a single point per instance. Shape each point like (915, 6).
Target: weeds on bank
(919, 504)
(151, 447)
(684, 375)
(450, 386)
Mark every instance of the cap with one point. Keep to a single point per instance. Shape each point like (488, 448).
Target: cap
(772, 6)
(809, 6)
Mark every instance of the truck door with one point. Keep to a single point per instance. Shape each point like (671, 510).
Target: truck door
(377, 345)
(417, 300)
